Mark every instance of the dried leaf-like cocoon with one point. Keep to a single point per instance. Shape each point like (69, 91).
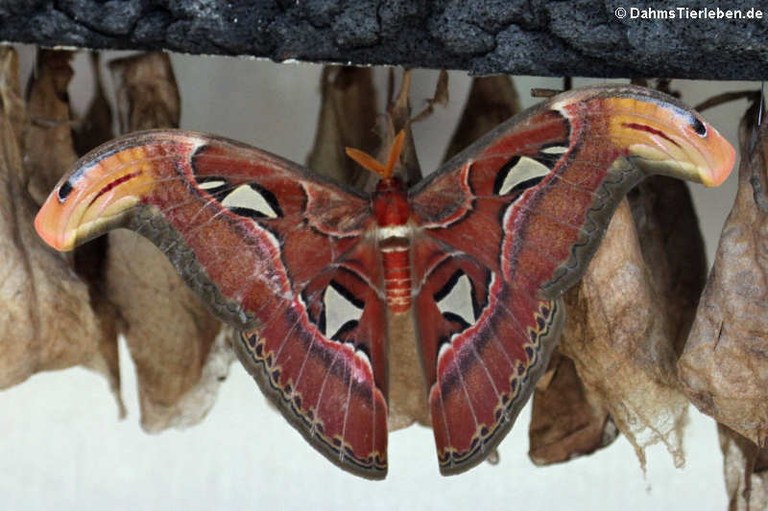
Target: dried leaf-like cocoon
(620, 339)
(673, 249)
(491, 100)
(724, 367)
(347, 119)
(95, 128)
(746, 471)
(48, 137)
(567, 421)
(49, 153)
(46, 322)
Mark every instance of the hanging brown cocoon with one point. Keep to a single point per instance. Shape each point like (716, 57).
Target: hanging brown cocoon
(491, 101)
(724, 367)
(746, 471)
(48, 153)
(567, 420)
(621, 340)
(180, 350)
(47, 322)
(577, 423)
(48, 137)
(95, 128)
(673, 249)
(348, 118)
(90, 259)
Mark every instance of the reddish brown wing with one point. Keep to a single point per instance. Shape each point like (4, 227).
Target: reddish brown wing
(280, 253)
(310, 283)
(510, 224)
(485, 332)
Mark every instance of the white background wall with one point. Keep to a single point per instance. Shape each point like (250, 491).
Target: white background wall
(62, 446)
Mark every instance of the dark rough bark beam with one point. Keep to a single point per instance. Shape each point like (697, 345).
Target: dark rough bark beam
(536, 37)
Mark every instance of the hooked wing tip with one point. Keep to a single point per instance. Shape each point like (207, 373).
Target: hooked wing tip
(666, 137)
(50, 224)
(104, 185)
(724, 158)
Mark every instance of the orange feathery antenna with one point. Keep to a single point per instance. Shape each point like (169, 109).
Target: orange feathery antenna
(370, 163)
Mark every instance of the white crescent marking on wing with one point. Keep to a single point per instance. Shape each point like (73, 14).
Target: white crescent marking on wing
(209, 185)
(526, 168)
(247, 198)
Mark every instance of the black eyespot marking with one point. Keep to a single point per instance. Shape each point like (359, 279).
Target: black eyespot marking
(64, 191)
(699, 127)
(319, 320)
(248, 212)
(457, 302)
(362, 348)
(269, 197)
(344, 330)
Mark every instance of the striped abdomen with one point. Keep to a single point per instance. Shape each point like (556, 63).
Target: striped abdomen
(396, 257)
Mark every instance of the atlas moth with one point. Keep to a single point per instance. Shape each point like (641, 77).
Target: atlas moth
(310, 272)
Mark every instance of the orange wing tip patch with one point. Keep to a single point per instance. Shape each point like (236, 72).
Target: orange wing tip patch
(723, 161)
(50, 224)
(94, 199)
(668, 138)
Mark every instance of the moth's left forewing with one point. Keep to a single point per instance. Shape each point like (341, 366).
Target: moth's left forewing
(278, 253)
(519, 215)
